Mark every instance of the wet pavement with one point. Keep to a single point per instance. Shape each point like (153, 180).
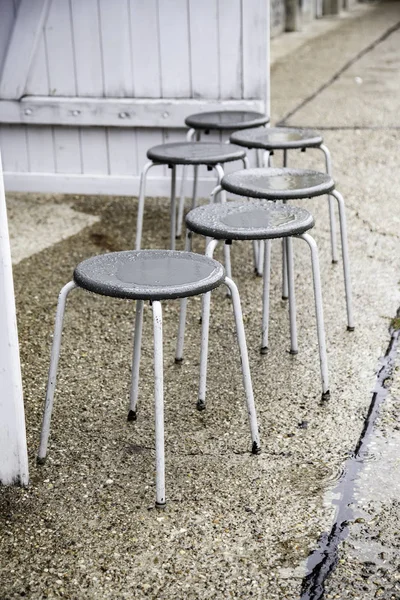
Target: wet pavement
(236, 525)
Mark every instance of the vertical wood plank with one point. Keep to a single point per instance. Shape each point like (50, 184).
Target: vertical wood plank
(146, 138)
(14, 148)
(94, 150)
(67, 150)
(122, 151)
(86, 38)
(7, 19)
(204, 48)
(40, 147)
(116, 48)
(254, 48)
(145, 48)
(230, 49)
(59, 49)
(38, 81)
(174, 49)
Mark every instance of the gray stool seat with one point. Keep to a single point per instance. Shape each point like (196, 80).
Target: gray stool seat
(278, 183)
(222, 120)
(149, 274)
(249, 220)
(195, 153)
(277, 138)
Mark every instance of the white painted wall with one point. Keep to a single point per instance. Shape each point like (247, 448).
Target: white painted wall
(13, 452)
(198, 53)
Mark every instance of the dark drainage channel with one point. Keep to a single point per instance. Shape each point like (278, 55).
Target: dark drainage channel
(323, 560)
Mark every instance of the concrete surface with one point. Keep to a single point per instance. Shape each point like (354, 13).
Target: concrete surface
(236, 525)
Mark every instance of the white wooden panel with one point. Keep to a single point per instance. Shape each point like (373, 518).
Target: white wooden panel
(13, 451)
(145, 48)
(116, 48)
(174, 49)
(204, 48)
(86, 36)
(41, 149)
(230, 49)
(122, 151)
(59, 48)
(38, 81)
(21, 47)
(14, 148)
(121, 112)
(254, 48)
(94, 150)
(67, 150)
(7, 17)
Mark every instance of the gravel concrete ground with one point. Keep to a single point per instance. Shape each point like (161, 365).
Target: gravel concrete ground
(236, 525)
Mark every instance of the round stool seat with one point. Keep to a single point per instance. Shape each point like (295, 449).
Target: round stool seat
(221, 120)
(249, 220)
(277, 138)
(278, 184)
(195, 153)
(149, 274)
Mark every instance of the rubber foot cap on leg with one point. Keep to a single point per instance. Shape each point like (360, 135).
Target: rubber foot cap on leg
(132, 415)
(264, 350)
(40, 461)
(257, 273)
(285, 297)
(350, 328)
(335, 262)
(178, 237)
(201, 405)
(178, 361)
(255, 449)
(293, 352)
(161, 505)
(325, 396)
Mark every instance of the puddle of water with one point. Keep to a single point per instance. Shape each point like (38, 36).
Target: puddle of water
(365, 476)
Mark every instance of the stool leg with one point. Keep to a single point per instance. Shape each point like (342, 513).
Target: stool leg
(51, 382)
(159, 404)
(217, 190)
(319, 314)
(332, 220)
(251, 409)
(284, 258)
(260, 263)
(182, 312)
(345, 255)
(137, 343)
(205, 324)
(195, 175)
(292, 297)
(173, 206)
(142, 193)
(266, 288)
(181, 207)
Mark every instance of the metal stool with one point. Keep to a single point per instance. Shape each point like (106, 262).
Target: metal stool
(211, 154)
(292, 184)
(258, 220)
(203, 123)
(152, 275)
(288, 138)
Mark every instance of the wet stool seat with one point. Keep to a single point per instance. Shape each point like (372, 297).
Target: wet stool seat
(278, 183)
(249, 220)
(195, 153)
(149, 274)
(222, 120)
(277, 138)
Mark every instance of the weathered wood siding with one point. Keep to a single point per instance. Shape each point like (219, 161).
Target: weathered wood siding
(197, 52)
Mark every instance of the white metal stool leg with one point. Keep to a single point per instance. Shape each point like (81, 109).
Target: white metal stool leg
(332, 219)
(51, 382)
(205, 324)
(285, 294)
(137, 343)
(181, 206)
(159, 404)
(182, 312)
(173, 207)
(319, 314)
(244, 358)
(266, 290)
(292, 296)
(142, 194)
(345, 256)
